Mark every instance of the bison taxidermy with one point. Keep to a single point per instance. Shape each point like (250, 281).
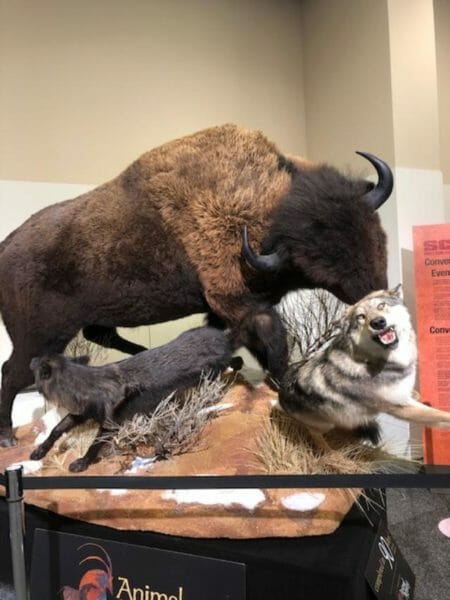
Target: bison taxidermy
(165, 239)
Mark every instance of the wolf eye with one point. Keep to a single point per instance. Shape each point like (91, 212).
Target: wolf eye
(361, 317)
(381, 306)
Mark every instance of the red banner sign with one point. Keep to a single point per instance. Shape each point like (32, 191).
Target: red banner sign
(432, 270)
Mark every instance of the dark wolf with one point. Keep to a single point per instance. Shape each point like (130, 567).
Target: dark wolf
(164, 240)
(117, 391)
(367, 368)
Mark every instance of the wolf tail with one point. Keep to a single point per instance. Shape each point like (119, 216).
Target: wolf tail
(418, 412)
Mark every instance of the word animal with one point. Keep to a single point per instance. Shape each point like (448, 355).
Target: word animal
(117, 391)
(164, 240)
(367, 368)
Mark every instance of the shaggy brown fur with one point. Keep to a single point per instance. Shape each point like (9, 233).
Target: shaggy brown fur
(163, 240)
(115, 392)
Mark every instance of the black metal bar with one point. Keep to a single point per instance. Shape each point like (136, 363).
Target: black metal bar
(14, 498)
(366, 481)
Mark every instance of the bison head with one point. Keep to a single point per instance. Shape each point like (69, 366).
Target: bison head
(326, 232)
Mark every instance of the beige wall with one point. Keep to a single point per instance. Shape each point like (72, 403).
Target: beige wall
(414, 83)
(348, 100)
(87, 86)
(442, 26)
(347, 82)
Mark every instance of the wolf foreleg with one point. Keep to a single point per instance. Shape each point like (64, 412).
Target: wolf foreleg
(418, 412)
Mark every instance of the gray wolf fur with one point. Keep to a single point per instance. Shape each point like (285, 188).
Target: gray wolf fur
(117, 391)
(367, 368)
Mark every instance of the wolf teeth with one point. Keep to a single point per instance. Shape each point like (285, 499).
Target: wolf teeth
(388, 336)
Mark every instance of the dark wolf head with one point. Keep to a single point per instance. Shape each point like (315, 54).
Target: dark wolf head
(47, 370)
(326, 233)
(44, 367)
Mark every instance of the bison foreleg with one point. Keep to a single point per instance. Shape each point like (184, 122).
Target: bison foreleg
(66, 424)
(109, 338)
(264, 334)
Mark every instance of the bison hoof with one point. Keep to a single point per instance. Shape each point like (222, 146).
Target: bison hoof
(78, 465)
(38, 453)
(7, 440)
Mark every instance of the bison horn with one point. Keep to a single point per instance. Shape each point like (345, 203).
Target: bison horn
(381, 192)
(261, 262)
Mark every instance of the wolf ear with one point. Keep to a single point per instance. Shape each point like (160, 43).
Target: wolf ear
(397, 291)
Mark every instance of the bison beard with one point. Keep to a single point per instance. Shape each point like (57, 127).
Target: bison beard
(163, 240)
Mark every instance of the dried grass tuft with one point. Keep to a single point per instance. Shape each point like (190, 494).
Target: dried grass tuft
(80, 442)
(311, 318)
(175, 425)
(75, 442)
(284, 445)
(80, 346)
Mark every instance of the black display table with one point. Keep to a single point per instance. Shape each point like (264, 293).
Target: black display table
(314, 568)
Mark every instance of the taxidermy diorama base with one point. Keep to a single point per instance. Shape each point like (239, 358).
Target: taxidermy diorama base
(247, 435)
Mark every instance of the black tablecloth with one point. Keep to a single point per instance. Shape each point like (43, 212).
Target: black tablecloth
(314, 568)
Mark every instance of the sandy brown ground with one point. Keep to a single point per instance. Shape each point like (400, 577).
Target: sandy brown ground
(227, 447)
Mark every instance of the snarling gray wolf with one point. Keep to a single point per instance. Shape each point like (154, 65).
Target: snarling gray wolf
(368, 367)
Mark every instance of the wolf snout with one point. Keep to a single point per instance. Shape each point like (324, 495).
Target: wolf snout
(378, 323)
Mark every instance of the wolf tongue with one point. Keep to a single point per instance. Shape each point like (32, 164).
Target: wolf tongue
(388, 336)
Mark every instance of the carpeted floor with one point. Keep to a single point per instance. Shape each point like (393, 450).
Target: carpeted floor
(413, 517)
(6, 593)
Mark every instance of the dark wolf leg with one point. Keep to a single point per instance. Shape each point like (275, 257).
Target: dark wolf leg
(214, 320)
(109, 338)
(264, 334)
(81, 464)
(17, 375)
(370, 432)
(66, 424)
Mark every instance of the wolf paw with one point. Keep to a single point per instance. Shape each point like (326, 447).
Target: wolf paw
(38, 453)
(78, 465)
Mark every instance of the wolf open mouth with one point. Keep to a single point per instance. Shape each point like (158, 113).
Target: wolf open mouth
(387, 337)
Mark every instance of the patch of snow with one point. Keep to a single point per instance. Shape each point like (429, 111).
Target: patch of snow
(113, 491)
(51, 418)
(140, 462)
(303, 501)
(248, 498)
(217, 408)
(29, 466)
(28, 407)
